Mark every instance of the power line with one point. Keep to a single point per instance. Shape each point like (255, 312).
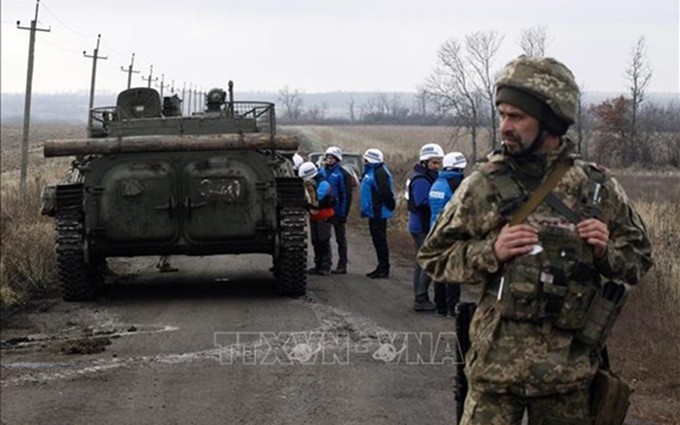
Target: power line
(76, 32)
(54, 46)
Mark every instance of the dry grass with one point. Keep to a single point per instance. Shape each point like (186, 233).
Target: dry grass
(645, 345)
(27, 264)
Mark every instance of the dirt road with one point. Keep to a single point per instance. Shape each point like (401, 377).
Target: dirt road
(214, 343)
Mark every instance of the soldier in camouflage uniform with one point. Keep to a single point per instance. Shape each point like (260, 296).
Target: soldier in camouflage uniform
(532, 342)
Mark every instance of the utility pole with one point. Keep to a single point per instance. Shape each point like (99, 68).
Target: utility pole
(184, 89)
(130, 71)
(29, 88)
(189, 111)
(172, 87)
(150, 78)
(162, 84)
(94, 57)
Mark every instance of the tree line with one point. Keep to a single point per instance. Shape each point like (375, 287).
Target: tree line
(459, 92)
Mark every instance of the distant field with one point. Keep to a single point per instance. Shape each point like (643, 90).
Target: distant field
(10, 143)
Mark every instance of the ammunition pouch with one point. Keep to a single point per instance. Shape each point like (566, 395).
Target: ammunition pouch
(554, 286)
(602, 314)
(609, 398)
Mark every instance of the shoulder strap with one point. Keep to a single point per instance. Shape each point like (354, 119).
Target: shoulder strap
(541, 192)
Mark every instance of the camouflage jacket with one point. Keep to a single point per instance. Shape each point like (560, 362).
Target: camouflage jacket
(508, 356)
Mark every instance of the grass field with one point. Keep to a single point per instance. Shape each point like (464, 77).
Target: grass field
(645, 343)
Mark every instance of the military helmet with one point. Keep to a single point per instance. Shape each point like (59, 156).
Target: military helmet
(545, 79)
(308, 170)
(335, 152)
(374, 156)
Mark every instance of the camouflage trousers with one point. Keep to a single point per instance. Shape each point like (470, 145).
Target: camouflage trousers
(484, 408)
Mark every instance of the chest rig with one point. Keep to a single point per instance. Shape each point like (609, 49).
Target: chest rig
(556, 284)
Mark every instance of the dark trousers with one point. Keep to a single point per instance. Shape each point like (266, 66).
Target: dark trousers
(321, 242)
(340, 230)
(378, 228)
(446, 297)
(421, 280)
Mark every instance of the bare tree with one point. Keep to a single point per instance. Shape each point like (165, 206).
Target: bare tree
(317, 112)
(638, 74)
(292, 102)
(462, 81)
(482, 48)
(534, 41)
(350, 107)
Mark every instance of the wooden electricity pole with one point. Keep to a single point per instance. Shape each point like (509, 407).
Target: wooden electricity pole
(94, 57)
(162, 85)
(130, 71)
(150, 78)
(27, 105)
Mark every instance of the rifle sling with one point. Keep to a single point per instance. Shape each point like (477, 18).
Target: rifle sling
(541, 192)
(559, 206)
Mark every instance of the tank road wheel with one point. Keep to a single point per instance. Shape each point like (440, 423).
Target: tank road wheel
(291, 261)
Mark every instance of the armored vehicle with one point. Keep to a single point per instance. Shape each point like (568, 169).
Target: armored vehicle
(149, 181)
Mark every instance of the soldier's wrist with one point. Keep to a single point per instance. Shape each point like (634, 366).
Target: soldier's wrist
(485, 255)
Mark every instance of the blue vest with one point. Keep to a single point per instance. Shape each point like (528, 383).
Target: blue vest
(371, 198)
(441, 192)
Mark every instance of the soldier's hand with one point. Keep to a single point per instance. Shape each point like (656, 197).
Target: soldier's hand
(596, 233)
(514, 240)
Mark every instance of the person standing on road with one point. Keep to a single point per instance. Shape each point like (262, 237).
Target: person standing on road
(377, 204)
(320, 203)
(548, 264)
(340, 181)
(418, 187)
(446, 296)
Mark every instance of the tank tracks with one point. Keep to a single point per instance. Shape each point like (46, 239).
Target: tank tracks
(78, 278)
(291, 265)
(290, 258)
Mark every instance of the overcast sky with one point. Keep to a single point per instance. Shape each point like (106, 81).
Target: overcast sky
(322, 45)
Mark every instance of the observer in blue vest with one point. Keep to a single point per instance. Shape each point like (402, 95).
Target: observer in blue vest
(418, 186)
(446, 296)
(377, 204)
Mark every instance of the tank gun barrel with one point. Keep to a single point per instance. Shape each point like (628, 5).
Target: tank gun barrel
(164, 143)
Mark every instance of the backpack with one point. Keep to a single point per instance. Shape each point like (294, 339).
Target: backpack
(351, 182)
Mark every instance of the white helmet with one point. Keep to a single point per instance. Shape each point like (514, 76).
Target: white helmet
(455, 160)
(308, 170)
(335, 151)
(297, 160)
(430, 151)
(374, 156)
